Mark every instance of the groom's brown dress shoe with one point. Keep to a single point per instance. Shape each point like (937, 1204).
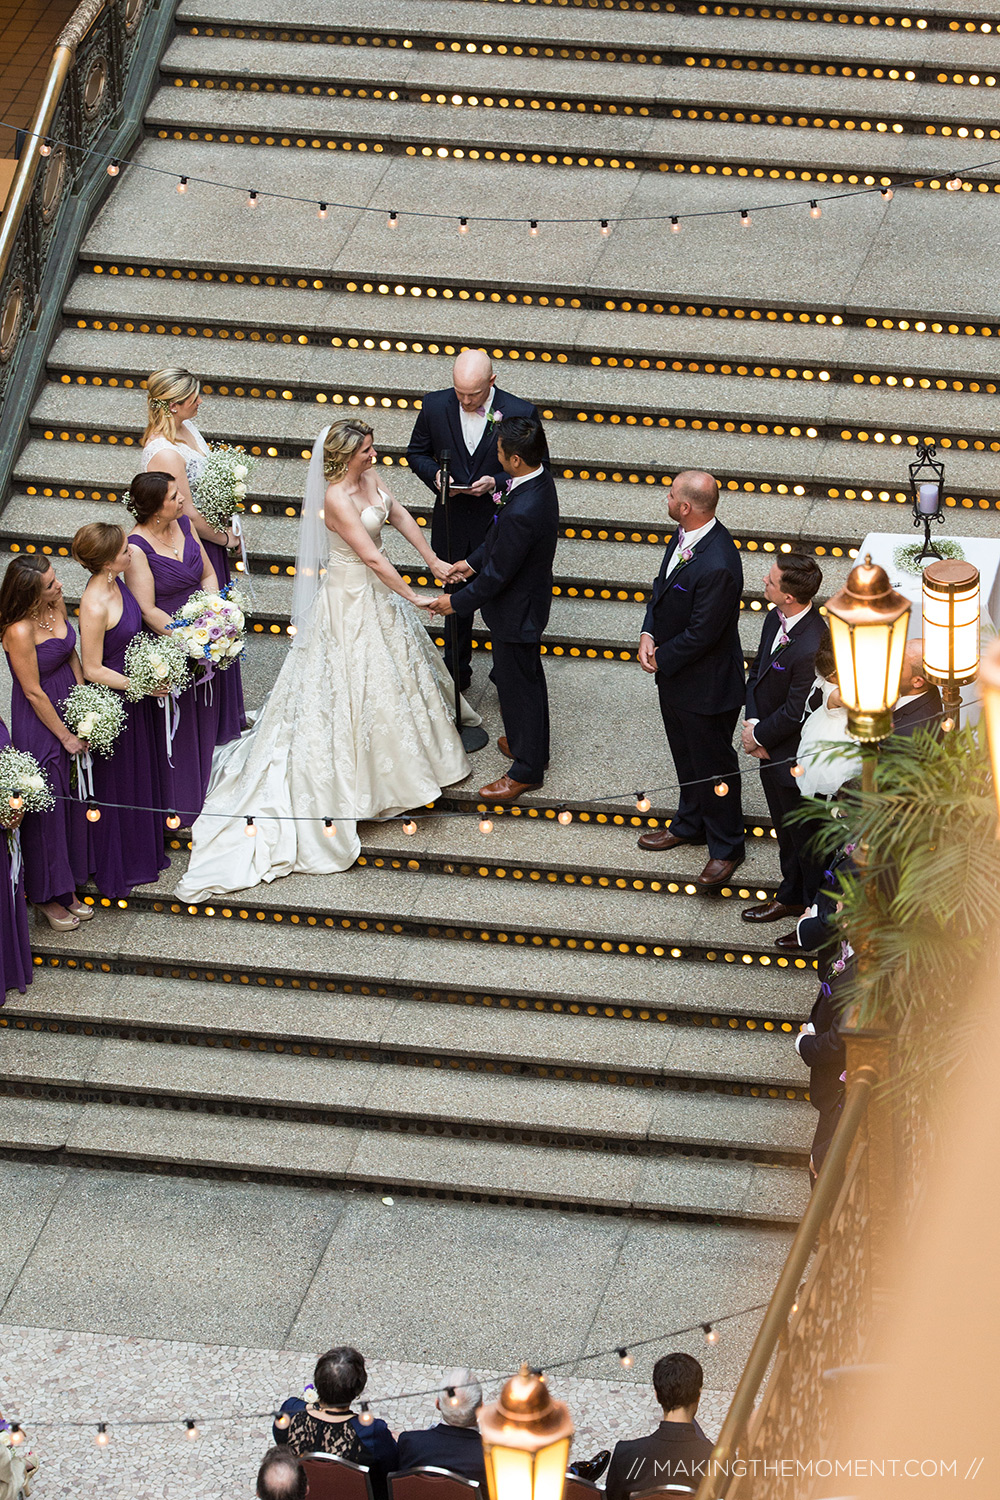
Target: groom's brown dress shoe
(507, 789)
(662, 838)
(787, 940)
(771, 911)
(717, 872)
(505, 749)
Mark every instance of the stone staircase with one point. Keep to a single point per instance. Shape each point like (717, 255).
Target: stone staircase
(543, 1015)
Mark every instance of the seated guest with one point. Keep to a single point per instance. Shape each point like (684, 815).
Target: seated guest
(329, 1425)
(281, 1476)
(919, 703)
(674, 1453)
(454, 1442)
(819, 1043)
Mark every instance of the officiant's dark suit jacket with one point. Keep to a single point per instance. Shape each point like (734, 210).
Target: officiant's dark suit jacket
(439, 426)
(925, 712)
(778, 686)
(693, 616)
(513, 584)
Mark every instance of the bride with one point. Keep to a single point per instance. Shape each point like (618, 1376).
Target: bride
(360, 723)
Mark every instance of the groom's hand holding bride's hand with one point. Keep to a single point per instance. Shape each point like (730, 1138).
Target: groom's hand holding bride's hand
(441, 605)
(457, 571)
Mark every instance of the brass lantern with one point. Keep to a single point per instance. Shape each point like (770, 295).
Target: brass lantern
(989, 683)
(526, 1437)
(868, 625)
(951, 627)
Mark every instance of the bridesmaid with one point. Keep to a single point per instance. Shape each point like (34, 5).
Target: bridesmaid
(168, 566)
(127, 846)
(15, 949)
(172, 444)
(40, 644)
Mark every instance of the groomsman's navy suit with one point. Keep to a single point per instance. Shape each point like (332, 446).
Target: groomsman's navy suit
(693, 617)
(778, 687)
(922, 712)
(513, 590)
(439, 426)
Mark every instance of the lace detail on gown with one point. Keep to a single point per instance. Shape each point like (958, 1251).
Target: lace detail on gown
(359, 725)
(194, 458)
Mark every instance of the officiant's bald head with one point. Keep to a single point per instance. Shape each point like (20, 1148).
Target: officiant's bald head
(693, 494)
(473, 377)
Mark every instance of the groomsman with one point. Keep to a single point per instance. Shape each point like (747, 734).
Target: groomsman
(919, 703)
(778, 686)
(511, 584)
(465, 419)
(690, 642)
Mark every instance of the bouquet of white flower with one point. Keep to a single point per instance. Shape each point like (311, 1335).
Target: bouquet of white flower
(212, 627)
(24, 786)
(221, 491)
(153, 662)
(95, 713)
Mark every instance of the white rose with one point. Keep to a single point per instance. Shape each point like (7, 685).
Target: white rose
(190, 611)
(235, 648)
(239, 490)
(240, 471)
(34, 783)
(86, 726)
(214, 603)
(160, 668)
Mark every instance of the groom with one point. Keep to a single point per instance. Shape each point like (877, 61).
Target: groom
(466, 420)
(512, 584)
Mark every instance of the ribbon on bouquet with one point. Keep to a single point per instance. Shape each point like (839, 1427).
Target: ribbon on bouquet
(171, 721)
(84, 776)
(16, 862)
(237, 529)
(206, 682)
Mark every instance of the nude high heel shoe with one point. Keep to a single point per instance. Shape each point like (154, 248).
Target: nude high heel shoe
(58, 924)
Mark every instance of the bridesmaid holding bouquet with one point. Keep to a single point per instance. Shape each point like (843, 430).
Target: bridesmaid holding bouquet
(168, 565)
(127, 842)
(40, 644)
(172, 444)
(15, 948)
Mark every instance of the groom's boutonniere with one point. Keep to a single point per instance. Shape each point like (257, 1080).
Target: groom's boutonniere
(492, 417)
(500, 498)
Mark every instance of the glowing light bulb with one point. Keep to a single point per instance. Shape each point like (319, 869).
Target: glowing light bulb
(463, 226)
(93, 814)
(182, 186)
(485, 825)
(797, 769)
(815, 212)
(886, 193)
(675, 224)
(321, 211)
(329, 828)
(565, 817)
(711, 1334)
(409, 827)
(16, 1435)
(16, 801)
(533, 229)
(103, 1436)
(452, 1395)
(45, 148)
(366, 1417)
(947, 725)
(953, 184)
(393, 220)
(625, 1359)
(192, 1431)
(252, 200)
(113, 169)
(282, 1421)
(605, 228)
(251, 829)
(721, 788)
(173, 821)
(642, 802)
(745, 219)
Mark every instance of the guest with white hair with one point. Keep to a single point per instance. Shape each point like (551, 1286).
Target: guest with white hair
(454, 1442)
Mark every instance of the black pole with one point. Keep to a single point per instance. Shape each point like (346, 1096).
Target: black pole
(473, 737)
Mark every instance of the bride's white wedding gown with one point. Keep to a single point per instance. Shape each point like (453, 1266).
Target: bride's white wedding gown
(360, 724)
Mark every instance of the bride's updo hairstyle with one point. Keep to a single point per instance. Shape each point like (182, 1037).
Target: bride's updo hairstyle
(147, 493)
(164, 389)
(342, 442)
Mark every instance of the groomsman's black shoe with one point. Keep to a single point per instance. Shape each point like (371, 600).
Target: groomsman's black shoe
(661, 838)
(505, 749)
(788, 940)
(718, 872)
(770, 911)
(507, 789)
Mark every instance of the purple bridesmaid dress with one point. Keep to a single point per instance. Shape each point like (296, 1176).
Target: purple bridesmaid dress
(127, 846)
(55, 844)
(228, 684)
(15, 950)
(185, 782)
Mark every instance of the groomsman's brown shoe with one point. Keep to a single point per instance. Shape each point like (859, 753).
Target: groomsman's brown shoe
(507, 789)
(505, 749)
(717, 872)
(770, 911)
(662, 838)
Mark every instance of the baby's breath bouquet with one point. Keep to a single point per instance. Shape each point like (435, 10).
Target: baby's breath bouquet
(153, 662)
(24, 786)
(95, 713)
(221, 491)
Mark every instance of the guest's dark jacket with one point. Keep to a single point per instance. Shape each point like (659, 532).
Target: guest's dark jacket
(693, 617)
(444, 1447)
(778, 686)
(924, 712)
(439, 426)
(377, 1443)
(825, 1054)
(673, 1454)
(513, 582)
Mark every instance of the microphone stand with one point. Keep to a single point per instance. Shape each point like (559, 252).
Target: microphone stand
(474, 737)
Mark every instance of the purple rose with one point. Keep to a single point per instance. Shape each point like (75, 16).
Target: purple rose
(214, 633)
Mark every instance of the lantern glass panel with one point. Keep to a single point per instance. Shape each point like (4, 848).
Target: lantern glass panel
(509, 1472)
(951, 632)
(550, 1470)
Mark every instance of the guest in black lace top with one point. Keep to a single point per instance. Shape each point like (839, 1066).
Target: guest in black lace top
(328, 1425)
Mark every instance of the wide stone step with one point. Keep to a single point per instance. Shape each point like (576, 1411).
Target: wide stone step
(742, 349)
(450, 1168)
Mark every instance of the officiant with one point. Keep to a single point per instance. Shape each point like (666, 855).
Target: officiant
(465, 420)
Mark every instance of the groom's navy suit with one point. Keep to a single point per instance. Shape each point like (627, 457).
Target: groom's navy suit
(439, 427)
(693, 617)
(513, 590)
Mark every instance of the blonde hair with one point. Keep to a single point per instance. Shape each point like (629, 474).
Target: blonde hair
(97, 544)
(163, 388)
(342, 442)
